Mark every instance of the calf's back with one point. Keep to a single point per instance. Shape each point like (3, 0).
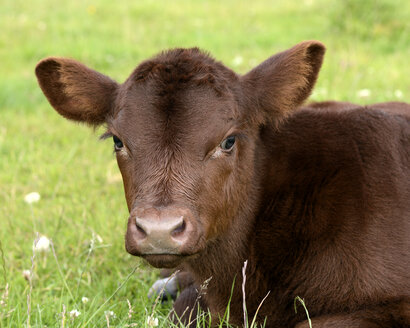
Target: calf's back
(334, 225)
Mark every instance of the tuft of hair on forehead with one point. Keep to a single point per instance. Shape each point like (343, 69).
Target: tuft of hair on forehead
(175, 68)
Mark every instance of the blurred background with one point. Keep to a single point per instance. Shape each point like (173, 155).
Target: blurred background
(81, 208)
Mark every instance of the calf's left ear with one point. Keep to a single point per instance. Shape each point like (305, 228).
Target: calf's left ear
(76, 91)
(282, 82)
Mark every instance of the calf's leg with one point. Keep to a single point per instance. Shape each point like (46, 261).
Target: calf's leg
(187, 306)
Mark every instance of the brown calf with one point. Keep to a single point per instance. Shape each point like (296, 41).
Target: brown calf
(220, 168)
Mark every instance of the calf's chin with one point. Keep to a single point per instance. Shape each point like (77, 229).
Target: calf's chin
(164, 260)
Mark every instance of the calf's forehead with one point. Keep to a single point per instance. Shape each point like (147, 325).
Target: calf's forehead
(190, 113)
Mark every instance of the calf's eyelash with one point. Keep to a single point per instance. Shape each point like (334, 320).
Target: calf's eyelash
(106, 135)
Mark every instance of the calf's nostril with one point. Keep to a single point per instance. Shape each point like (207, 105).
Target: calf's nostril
(140, 229)
(179, 228)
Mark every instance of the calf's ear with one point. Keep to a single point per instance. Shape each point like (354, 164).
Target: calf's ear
(76, 91)
(283, 82)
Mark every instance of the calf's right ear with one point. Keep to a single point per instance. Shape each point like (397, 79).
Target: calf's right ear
(76, 91)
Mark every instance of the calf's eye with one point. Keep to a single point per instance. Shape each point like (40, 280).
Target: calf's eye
(117, 143)
(228, 143)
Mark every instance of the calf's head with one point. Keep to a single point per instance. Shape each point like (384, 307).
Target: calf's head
(186, 133)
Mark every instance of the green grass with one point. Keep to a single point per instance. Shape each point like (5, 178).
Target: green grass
(368, 48)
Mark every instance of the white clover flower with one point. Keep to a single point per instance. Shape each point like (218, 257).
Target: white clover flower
(32, 197)
(84, 300)
(26, 274)
(42, 244)
(237, 60)
(152, 321)
(74, 313)
(364, 93)
(398, 94)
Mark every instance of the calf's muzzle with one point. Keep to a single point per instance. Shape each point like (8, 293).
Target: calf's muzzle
(162, 235)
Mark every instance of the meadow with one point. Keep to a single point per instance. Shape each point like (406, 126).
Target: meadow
(82, 209)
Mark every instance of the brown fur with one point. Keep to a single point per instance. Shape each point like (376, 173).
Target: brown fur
(316, 198)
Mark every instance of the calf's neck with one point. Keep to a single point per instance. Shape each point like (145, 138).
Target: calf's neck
(219, 168)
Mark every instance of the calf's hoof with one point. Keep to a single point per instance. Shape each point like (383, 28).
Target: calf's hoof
(166, 288)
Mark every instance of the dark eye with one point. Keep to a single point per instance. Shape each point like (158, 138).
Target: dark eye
(228, 143)
(117, 143)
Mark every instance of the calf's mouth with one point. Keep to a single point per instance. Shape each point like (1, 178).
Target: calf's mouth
(165, 260)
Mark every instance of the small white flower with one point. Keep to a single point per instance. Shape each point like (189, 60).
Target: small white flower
(398, 94)
(42, 244)
(364, 93)
(32, 197)
(84, 300)
(152, 322)
(27, 274)
(74, 313)
(237, 60)
(110, 314)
